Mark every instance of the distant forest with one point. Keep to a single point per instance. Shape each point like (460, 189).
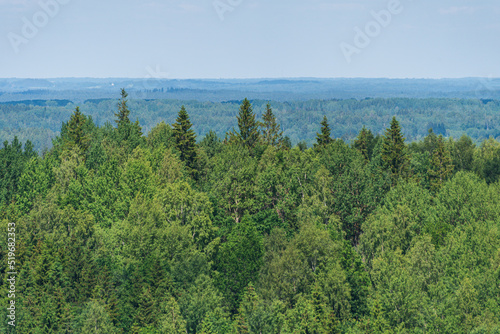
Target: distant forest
(40, 121)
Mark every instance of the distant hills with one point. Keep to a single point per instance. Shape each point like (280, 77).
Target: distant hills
(78, 90)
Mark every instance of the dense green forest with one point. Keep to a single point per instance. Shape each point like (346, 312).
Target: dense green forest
(40, 121)
(123, 229)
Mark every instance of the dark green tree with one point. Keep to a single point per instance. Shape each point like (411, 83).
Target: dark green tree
(462, 153)
(12, 163)
(364, 143)
(248, 126)
(123, 111)
(394, 152)
(185, 138)
(211, 143)
(323, 138)
(271, 131)
(238, 261)
(127, 131)
(77, 135)
(441, 165)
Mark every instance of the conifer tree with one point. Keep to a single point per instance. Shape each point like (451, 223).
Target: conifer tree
(185, 138)
(364, 143)
(271, 131)
(127, 131)
(394, 154)
(76, 132)
(323, 138)
(441, 165)
(123, 110)
(248, 126)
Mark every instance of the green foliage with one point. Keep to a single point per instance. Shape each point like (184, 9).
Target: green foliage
(211, 144)
(238, 261)
(365, 142)
(76, 132)
(394, 152)
(462, 152)
(441, 167)
(95, 319)
(12, 163)
(248, 133)
(271, 132)
(323, 138)
(185, 139)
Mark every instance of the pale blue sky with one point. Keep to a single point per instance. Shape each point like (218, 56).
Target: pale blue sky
(273, 38)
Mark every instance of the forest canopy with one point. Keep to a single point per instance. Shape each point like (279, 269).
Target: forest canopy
(122, 228)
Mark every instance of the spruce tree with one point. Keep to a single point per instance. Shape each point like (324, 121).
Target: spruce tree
(394, 155)
(323, 138)
(441, 165)
(271, 132)
(364, 143)
(249, 128)
(76, 131)
(185, 138)
(123, 110)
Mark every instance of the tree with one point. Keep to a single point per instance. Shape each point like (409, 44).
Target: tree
(364, 143)
(323, 138)
(185, 138)
(211, 143)
(248, 126)
(171, 321)
(462, 152)
(123, 110)
(441, 165)
(271, 131)
(12, 164)
(394, 152)
(238, 261)
(127, 131)
(95, 319)
(76, 131)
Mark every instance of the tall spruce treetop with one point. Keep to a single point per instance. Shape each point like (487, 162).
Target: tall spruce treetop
(271, 131)
(323, 138)
(249, 128)
(185, 138)
(394, 153)
(123, 110)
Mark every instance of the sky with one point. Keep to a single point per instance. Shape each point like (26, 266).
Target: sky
(181, 39)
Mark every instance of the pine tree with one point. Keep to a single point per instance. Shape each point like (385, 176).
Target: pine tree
(185, 139)
(76, 131)
(441, 165)
(249, 133)
(323, 138)
(394, 154)
(271, 131)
